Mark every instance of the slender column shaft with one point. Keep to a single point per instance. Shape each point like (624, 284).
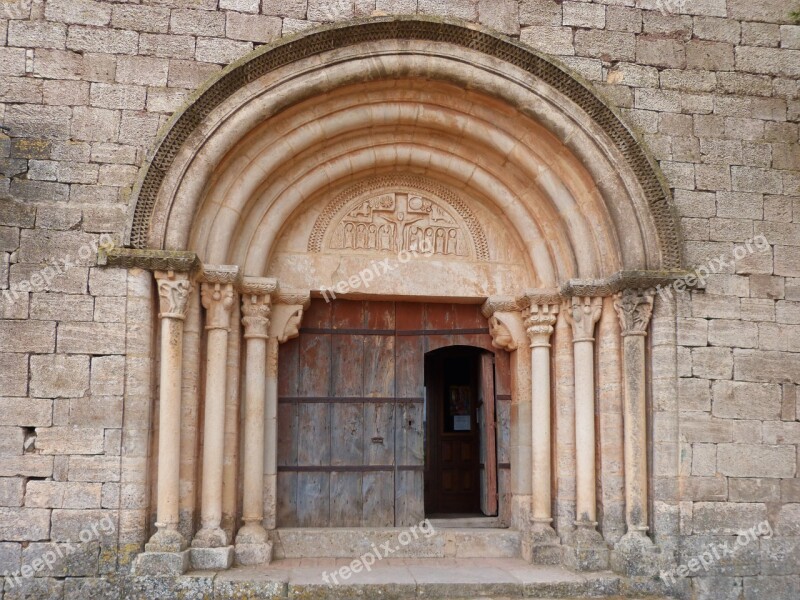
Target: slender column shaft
(585, 313)
(256, 310)
(218, 301)
(173, 290)
(634, 310)
(271, 431)
(565, 423)
(539, 326)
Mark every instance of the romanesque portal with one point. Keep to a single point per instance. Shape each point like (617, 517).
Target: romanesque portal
(335, 210)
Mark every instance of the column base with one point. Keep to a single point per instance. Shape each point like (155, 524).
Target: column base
(253, 554)
(210, 537)
(212, 559)
(541, 545)
(586, 550)
(166, 540)
(635, 555)
(169, 564)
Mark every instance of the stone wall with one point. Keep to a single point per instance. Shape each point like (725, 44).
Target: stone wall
(712, 87)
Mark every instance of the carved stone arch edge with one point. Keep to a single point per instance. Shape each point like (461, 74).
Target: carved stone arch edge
(467, 35)
(417, 182)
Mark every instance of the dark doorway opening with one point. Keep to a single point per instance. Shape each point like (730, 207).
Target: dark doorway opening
(460, 435)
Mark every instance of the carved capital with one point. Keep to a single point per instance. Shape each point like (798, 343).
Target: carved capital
(542, 297)
(256, 309)
(287, 314)
(218, 301)
(173, 294)
(288, 297)
(539, 324)
(495, 304)
(502, 337)
(583, 313)
(634, 309)
(222, 274)
(292, 327)
(259, 286)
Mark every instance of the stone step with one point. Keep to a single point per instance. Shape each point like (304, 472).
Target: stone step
(395, 579)
(397, 542)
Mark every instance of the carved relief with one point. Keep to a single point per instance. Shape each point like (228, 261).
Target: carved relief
(256, 310)
(634, 310)
(173, 296)
(583, 314)
(218, 301)
(400, 213)
(540, 323)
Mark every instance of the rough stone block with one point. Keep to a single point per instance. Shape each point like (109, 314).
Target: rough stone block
(754, 490)
(702, 428)
(24, 524)
(44, 122)
(651, 50)
(771, 586)
(94, 468)
(91, 338)
(555, 40)
(62, 494)
(97, 411)
(69, 525)
(712, 363)
(768, 367)
(755, 460)
(726, 519)
(12, 489)
(151, 19)
(295, 9)
(82, 12)
(213, 559)
(69, 440)
(13, 375)
(37, 34)
(608, 45)
(83, 38)
(59, 376)
(27, 336)
(167, 46)
(742, 400)
(501, 15)
(161, 563)
(217, 50)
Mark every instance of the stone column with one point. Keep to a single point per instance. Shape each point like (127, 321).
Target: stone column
(539, 326)
(633, 553)
(588, 550)
(252, 543)
(210, 546)
(287, 314)
(507, 328)
(164, 553)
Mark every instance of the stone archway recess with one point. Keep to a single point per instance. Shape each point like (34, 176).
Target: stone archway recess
(537, 154)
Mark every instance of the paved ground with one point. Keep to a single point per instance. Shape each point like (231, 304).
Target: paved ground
(427, 578)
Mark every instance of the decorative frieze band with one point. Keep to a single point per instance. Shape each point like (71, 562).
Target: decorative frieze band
(149, 260)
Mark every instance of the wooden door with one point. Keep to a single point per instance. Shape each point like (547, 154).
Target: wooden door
(351, 419)
(452, 470)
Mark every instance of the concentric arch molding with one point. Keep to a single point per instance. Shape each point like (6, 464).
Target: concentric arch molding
(387, 205)
(469, 36)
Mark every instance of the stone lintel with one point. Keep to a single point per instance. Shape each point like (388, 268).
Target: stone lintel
(149, 260)
(622, 280)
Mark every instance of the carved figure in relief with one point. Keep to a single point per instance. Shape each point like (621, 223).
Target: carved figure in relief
(397, 222)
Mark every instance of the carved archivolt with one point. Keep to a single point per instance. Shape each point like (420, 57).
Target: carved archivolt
(397, 213)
